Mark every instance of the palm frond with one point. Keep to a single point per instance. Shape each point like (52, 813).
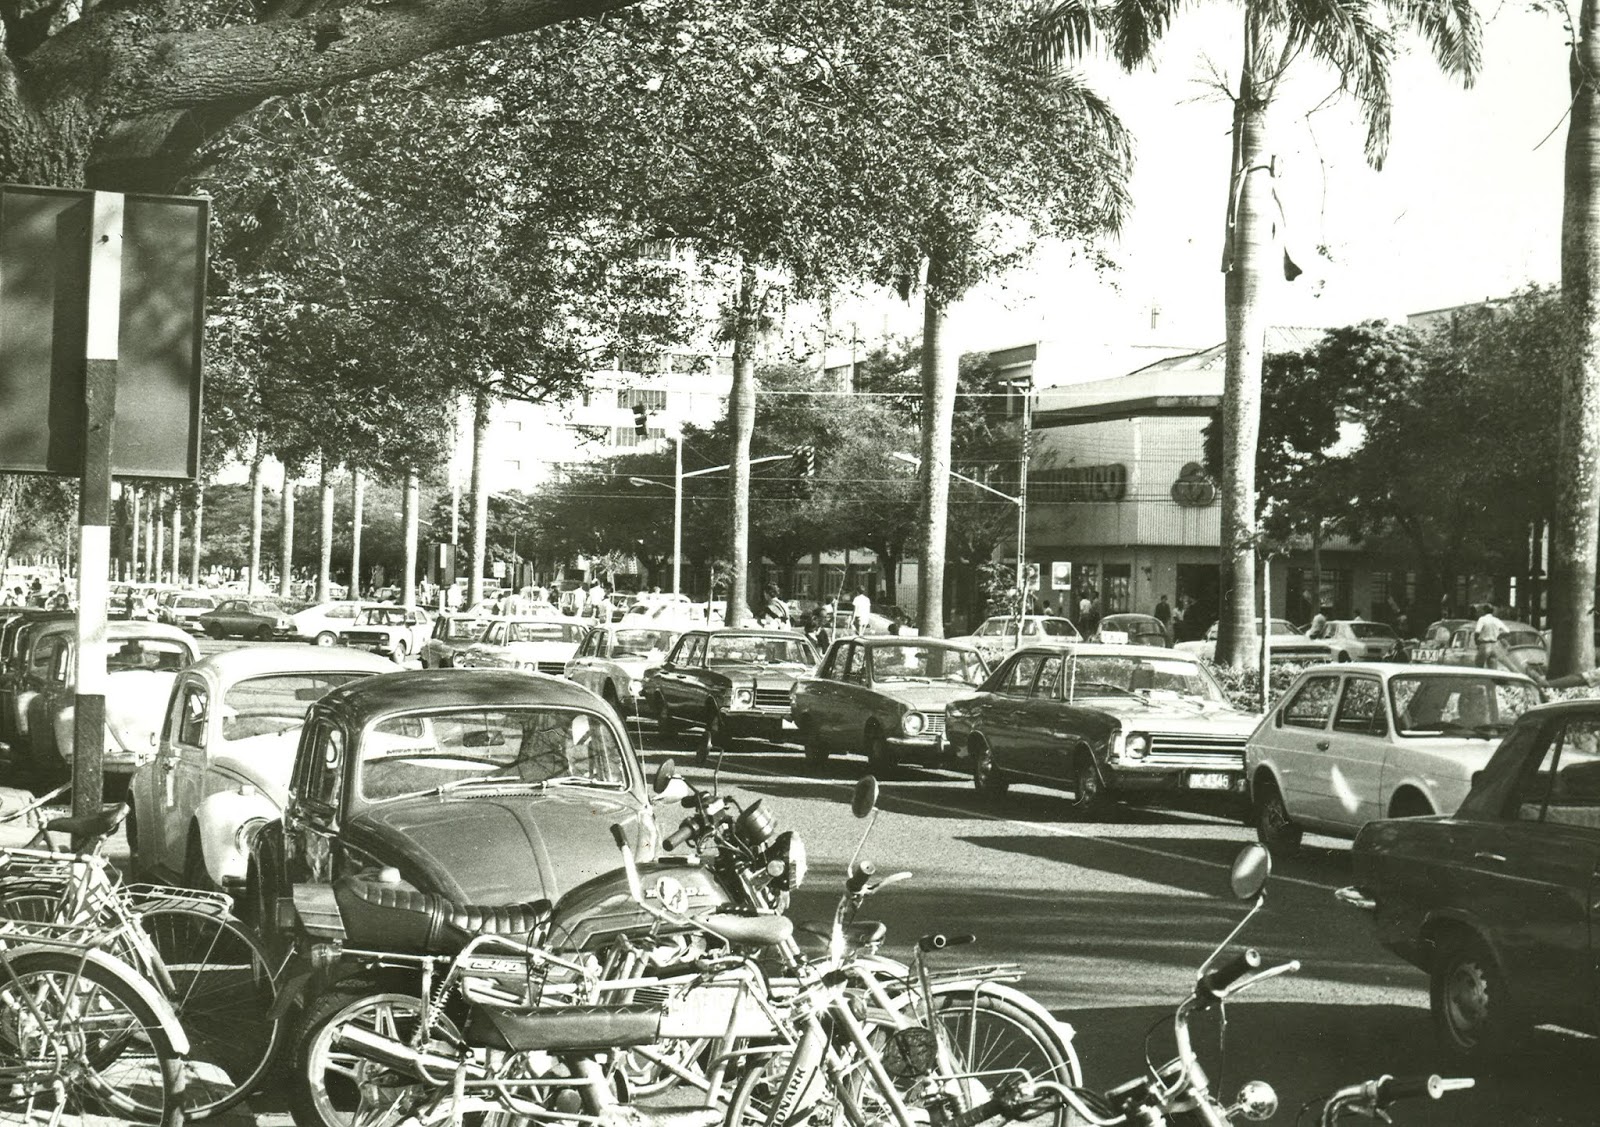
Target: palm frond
(1452, 30)
(1054, 32)
(1132, 26)
(1097, 113)
(1356, 39)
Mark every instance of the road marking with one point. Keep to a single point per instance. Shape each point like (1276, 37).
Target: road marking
(1056, 830)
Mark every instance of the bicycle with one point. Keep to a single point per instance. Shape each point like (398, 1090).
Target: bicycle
(215, 973)
(82, 1035)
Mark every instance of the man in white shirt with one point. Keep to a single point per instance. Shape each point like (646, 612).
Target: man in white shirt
(860, 611)
(1487, 632)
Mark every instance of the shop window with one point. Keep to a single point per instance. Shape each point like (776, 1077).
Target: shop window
(1115, 591)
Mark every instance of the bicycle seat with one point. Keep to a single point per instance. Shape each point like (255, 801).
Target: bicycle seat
(390, 918)
(568, 1028)
(750, 931)
(103, 824)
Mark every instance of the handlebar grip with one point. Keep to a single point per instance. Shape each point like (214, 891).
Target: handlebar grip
(1218, 979)
(619, 835)
(682, 834)
(938, 941)
(1392, 1088)
(857, 880)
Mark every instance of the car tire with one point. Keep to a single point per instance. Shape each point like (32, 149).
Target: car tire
(215, 631)
(139, 868)
(811, 740)
(713, 740)
(1088, 789)
(881, 761)
(987, 779)
(611, 698)
(326, 638)
(1473, 1015)
(263, 633)
(665, 724)
(1274, 828)
(400, 651)
(1341, 656)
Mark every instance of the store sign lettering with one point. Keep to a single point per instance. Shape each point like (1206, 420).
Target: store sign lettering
(1193, 489)
(1083, 483)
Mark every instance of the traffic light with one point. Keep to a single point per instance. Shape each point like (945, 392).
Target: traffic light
(641, 421)
(804, 461)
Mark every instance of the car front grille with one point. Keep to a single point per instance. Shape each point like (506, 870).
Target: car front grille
(357, 638)
(935, 724)
(772, 698)
(1180, 750)
(554, 668)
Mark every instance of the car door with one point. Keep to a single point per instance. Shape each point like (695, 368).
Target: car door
(1299, 741)
(1043, 735)
(847, 695)
(821, 694)
(1351, 771)
(1003, 721)
(677, 678)
(311, 819)
(182, 769)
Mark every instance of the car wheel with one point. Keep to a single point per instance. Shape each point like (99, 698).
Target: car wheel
(1472, 1010)
(215, 631)
(400, 651)
(811, 740)
(611, 698)
(1274, 828)
(881, 761)
(665, 724)
(139, 866)
(327, 638)
(1088, 789)
(713, 739)
(986, 777)
(263, 633)
(1341, 656)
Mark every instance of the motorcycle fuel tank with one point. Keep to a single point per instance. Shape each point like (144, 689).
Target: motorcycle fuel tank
(594, 913)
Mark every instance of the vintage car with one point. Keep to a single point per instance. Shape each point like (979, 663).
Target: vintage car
(1131, 629)
(321, 624)
(731, 682)
(1352, 743)
(612, 661)
(17, 630)
(883, 697)
(486, 787)
(1524, 649)
(1436, 639)
(184, 608)
(1495, 903)
(1102, 721)
(446, 646)
(1360, 640)
(260, 618)
(227, 745)
(1289, 644)
(142, 659)
(1001, 634)
(393, 632)
(539, 644)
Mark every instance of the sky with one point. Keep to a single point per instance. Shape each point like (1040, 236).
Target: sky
(1467, 206)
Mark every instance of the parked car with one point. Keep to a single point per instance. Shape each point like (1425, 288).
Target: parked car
(1354, 743)
(1430, 647)
(18, 625)
(223, 761)
(1289, 644)
(612, 660)
(321, 624)
(731, 683)
(1525, 649)
(39, 646)
(1495, 903)
(999, 635)
(676, 615)
(1103, 722)
(184, 608)
(538, 645)
(447, 644)
(1131, 629)
(261, 619)
(142, 659)
(393, 632)
(894, 622)
(1360, 640)
(485, 787)
(883, 697)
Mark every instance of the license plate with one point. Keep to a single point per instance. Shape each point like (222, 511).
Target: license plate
(1210, 780)
(790, 726)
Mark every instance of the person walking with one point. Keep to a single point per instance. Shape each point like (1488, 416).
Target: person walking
(860, 611)
(774, 611)
(1319, 622)
(1487, 633)
(1163, 615)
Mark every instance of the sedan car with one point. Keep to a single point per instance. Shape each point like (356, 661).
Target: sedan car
(446, 646)
(1101, 721)
(1360, 640)
(1496, 902)
(730, 682)
(884, 697)
(17, 630)
(227, 745)
(261, 619)
(1001, 634)
(1137, 629)
(1289, 644)
(485, 787)
(1354, 743)
(184, 608)
(321, 624)
(538, 645)
(612, 661)
(393, 632)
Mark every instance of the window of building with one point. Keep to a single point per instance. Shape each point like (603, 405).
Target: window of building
(1115, 591)
(627, 436)
(651, 399)
(802, 588)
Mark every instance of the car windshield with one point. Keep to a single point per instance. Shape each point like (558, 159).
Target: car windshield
(275, 703)
(464, 629)
(157, 654)
(263, 607)
(1280, 626)
(733, 649)
(640, 643)
(1371, 630)
(545, 631)
(1108, 675)
(923, 663)
(1452, 705)
(1517, 639)
(457, 748)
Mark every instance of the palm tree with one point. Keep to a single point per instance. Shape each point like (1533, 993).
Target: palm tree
(1357, 40)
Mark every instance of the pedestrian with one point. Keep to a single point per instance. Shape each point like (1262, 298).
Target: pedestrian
(1487, 633)
(1085, 602)
(1180, 619)
(1319, 622)
(1091, 621)
(596, 596)
(821, 630)
(774, 612)
(1355, 615)
(860, 611)
(1163, 615)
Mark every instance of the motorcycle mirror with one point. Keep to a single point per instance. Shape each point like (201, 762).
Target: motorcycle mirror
(865, 798)
(664, 775)
(1251, 868)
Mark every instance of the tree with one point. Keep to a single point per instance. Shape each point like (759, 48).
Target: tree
(1357, 41)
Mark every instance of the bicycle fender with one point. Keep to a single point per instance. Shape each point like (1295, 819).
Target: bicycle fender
(145, 990)
(1028, 1004)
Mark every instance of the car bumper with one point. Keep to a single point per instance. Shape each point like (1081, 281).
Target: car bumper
(756, 721)
(1219, 780)
(925, 747)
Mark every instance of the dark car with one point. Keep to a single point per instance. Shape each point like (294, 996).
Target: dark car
(730, 682)
(486, 787)
(1101, 721)
(17, 625)
(262, 619)
(1495, 903)
(33, 644)
(884, 697)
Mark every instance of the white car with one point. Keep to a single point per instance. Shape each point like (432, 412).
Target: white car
(1288, 644)
(611, 662)
(222, 766)
(394, 632)
(1001, 634)
(1350, 744)
(323, 623)
(183, 608)
(539, 645)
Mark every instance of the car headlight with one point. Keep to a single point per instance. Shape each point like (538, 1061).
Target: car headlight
(786, 861)
(744, 698)
(527, 666)
(912, 723)
(635, 687)
(1135, 745)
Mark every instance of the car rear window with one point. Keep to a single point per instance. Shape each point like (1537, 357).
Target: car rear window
(1371, 630)
(1520, 638)
(545, 631)
(1451, 705)
(276, 704)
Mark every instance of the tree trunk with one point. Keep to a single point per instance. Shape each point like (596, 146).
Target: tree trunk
(480, 498)
(1575, 528)
(10, 495)
(742, 416)
(152, 519)
(177, 536)
(940, 369)
(253, 577)
(325, 536)
(158, 517)
(286, 531)
(194, 533)
(1248, 262)
(358, 491)
(133, 547)
(410, 504)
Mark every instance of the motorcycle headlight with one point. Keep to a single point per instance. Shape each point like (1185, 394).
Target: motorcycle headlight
(912, 723)
(756, 826)
(744, 698)
(787, 860)
(1135, 745)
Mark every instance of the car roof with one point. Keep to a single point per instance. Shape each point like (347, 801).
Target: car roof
(884, 641)
(255, 661)
(745, 632)
(1394, 668)
(407, 690)
(1107, 649)
(1130, 616)
(124, 629)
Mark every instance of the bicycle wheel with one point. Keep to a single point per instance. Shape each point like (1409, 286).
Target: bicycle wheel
(75, 1040)
(991, 1037)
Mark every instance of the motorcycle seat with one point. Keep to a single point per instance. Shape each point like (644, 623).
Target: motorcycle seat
(861, 933)
(750, 931)
(385, 917)
(563, 1029)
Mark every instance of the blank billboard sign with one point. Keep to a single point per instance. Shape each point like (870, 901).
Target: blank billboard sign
(44, 267)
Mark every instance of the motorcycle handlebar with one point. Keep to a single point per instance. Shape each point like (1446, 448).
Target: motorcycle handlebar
(1392, 1088)
(939, 941)
(1215, 982)
(682, 834)
(858, 879)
